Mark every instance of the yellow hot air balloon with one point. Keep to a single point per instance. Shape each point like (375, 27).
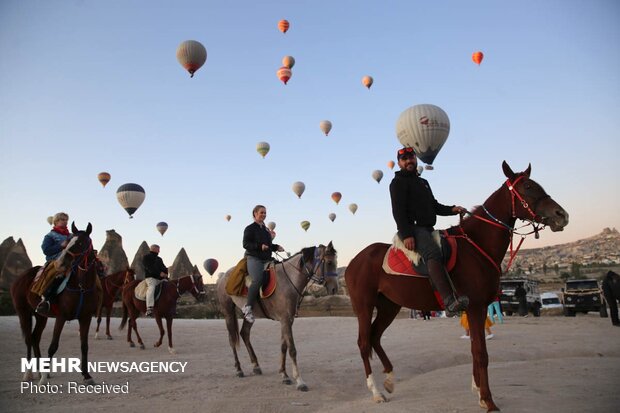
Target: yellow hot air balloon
(284, 74)
(104, 178)
(367, 81)
(336, 196)
(305, 225)
(332, 217)
(50, 220)
(299, 188)
(377, 175)
(325, 126)
(262, 148)
(283, 25)
(288, 61)
(192, 55)
(353, 208)
(391, 164)
(227, 217)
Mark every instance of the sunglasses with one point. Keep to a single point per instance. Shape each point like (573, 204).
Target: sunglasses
(405, 150)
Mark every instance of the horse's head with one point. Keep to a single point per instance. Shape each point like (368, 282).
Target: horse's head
(321, 265)
(80, 247)
(130, 275)
(530, 202)
(198, 288)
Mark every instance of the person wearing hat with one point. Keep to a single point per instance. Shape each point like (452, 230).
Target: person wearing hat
(415, 211)
(154, 272)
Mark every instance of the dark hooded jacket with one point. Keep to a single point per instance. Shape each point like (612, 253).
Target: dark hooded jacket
(153, 266)
(413, 203)
(254, 236)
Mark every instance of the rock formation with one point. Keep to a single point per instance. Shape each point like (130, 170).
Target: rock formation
(15, 263)
(5, 248)
(112, 253)
(136, 264)
(181, 266)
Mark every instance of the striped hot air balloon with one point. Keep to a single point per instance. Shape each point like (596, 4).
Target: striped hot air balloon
(103, 178)
(262, 148)
(192, 55)
(283, 25)
(130, 196)
(284, 74)
(305, 225)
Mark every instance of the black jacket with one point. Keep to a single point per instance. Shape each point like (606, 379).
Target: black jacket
(413, 203)
(153, 266)
(254, 236)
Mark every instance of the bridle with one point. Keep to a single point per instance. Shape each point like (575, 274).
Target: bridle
(311, 274)
(80, 265)
(194, 286)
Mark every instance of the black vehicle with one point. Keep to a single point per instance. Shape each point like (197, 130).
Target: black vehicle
(583, 296)
(509, 298)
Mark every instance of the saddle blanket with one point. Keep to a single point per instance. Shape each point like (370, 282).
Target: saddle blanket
(140, 291)
(269, 283)
(399, 260)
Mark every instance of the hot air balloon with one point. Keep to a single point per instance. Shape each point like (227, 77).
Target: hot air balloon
(353, 208)
(284, 74)
(211, 265)
(227, 217)
(305, 225)
(429, 167)
(391, 164)
(104, 178)
(130, 196)
(425, 128)
(283, 25)
(336, 196)
(477, 57)
(162, 227)
(299, 188)
(262, 148)
(325, 126)
(377, 175)
(271, 225)
(420, 169)
(50, 220)
(192, 55)
(332, 217)
(367, 81)
(288, 61)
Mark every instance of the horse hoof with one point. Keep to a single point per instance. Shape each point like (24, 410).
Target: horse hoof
(287, 381)
(302, 387)
(388, 386)
(90, 381)
(141, 346)
(171, 350)
(132, 344)
(96, 336)
(109, 337)
(379, 398)
(240, 373)
(257, 371)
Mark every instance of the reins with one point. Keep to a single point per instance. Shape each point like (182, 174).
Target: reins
(76, 265)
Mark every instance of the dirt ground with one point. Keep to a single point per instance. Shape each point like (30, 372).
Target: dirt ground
(549, 364)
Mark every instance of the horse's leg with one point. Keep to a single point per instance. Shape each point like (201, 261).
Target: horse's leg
(134, 325)
(130, 327)
(58, 326)
(99, 310)
(476, 318)
(386, 312)
(108, 312)
(169, 326)
(84, 327)
(287, 334)
(245, 335)
(364, 317)
(283, 349)
(232, 325)
(40, 323)
(161, 330)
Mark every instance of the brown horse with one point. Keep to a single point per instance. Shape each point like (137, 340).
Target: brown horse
(316, 264)
(165, 306)
(78, 300)
(482, 239)
(112, 284)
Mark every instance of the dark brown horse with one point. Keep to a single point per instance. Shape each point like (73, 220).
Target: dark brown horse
(165, 306)
(483, 240)
(112, 284)
(78, 300)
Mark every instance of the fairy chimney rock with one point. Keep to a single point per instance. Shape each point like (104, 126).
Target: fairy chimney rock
(112, 254)
(5, 248)
(15, 264)
(136, 264)
(196, 271)
(181, 266)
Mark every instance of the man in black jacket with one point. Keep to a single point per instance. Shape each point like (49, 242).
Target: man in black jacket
(154, 272)
(415, 211)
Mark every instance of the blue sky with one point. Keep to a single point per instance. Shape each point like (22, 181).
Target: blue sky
(90, 86)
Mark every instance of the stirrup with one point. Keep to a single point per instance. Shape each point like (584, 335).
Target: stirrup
(247, 314)
(43, 307)
(453, 306)
(149, 312)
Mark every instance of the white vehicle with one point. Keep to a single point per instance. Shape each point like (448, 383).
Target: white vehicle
(550, 300)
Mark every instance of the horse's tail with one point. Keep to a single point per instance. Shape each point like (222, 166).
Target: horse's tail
(124, 319)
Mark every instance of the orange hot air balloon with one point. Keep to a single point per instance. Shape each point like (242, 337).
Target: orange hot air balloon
(367, 81)
(391, 164)
(477, 57)
(283, 25)
(284, 73)
(104, 178)
(336, 196)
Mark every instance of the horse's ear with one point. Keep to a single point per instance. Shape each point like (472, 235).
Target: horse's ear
(89, 228)
(73, 227)
(330, 246)
(507, 170)
(528, 171)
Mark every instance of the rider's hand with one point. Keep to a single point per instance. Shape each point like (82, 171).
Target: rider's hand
(280, 249)
(264, 247)
(459, 210)
(409, 243)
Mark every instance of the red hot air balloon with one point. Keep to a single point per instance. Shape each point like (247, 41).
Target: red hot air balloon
(284, 74)
(211, 265)
(283, 25)
(477, 57)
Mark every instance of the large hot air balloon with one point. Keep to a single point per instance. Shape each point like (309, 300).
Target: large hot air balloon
(367, 81)
(332, 217)
(425, 128)
(288, 61)
(192, 55)
(336, 196)
(377, 175)
(104, 178)
(305, 225)
(211, 265)
(325, 126)
(391, 164)
(284, 74)
(271, 225)
(262, 148)
(477, 57)
(130, 196)
(227, 217)
(50, 220)
(353, 208)
(162, 227)
(283, 25)
(299, 188)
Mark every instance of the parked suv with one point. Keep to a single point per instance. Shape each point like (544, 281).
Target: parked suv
(583, 296)
(510, 303)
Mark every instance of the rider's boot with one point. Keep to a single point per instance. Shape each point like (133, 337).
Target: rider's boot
(50, 293)
(439, 276)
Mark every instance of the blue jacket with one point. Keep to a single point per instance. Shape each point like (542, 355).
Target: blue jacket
(52, 245)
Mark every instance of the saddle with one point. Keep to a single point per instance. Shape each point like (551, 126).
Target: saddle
(140, 291)
(399, 260)
(239, 280)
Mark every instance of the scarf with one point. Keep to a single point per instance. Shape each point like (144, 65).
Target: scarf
(61, 230)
